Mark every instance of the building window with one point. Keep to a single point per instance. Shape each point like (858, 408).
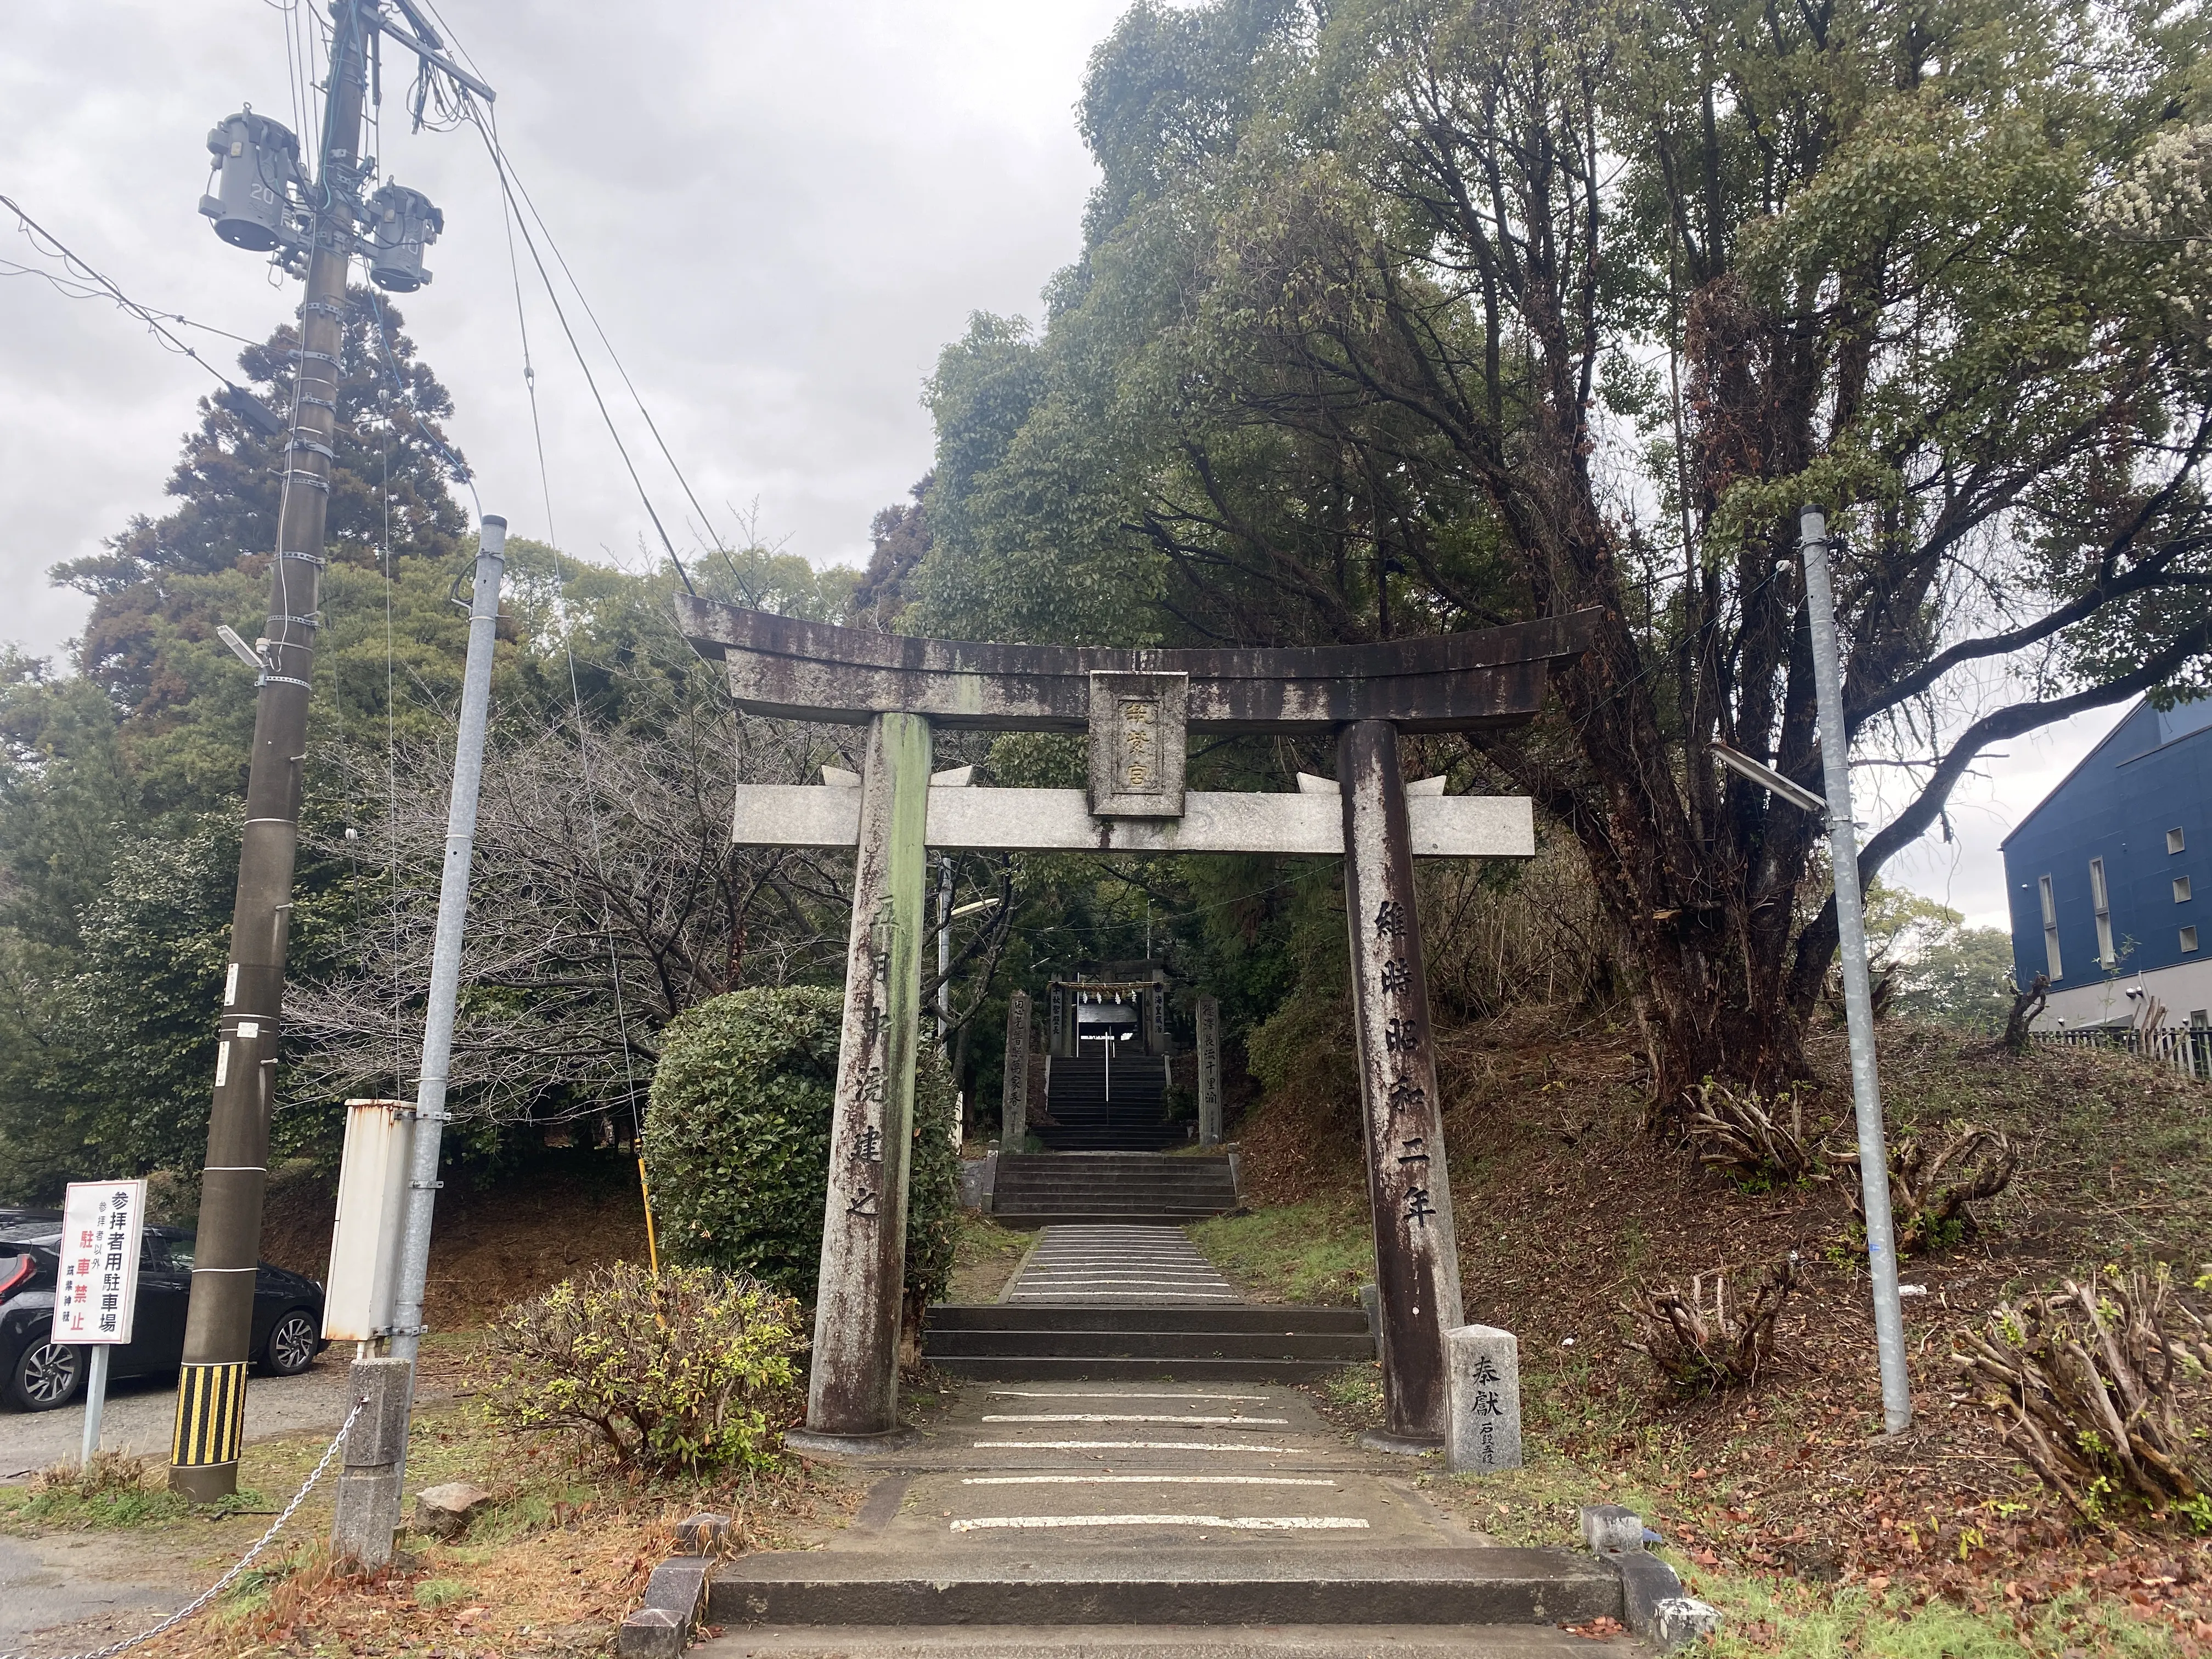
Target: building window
(2102, 902)
(2050, 932)
(2181, 889)
(2200, 1017)
(2188, 940)
(2173, 841)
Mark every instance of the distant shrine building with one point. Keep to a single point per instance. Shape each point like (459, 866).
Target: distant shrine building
(2110, 874)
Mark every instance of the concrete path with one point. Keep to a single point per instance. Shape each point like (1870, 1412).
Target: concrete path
(1084, 1519)
(1119, 1265)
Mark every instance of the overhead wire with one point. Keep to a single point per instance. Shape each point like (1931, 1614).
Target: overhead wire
(507, 215)
(86, 281)
(507, 190)
(613, 356)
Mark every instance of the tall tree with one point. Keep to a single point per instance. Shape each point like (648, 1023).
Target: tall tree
(120, 782)
(1400, 315)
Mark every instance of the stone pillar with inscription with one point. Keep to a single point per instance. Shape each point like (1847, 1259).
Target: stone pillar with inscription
(1209, 1071)
(852, 1396)
(1416, 1254)
(1014, 1107)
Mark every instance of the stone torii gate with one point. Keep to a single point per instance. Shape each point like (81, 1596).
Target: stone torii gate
(1138, 707)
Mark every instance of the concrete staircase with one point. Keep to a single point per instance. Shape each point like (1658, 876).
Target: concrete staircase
(1095, 1105)
(1242, 1342)
(1103, 1520)
(1036, 1189)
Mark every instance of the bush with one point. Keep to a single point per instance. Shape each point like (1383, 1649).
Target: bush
(737, 1143)
(1928, 1196)
(680, 1373)
(2102, 1389)
(1697, 1343)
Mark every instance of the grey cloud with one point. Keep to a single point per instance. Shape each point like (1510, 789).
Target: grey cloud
(781, 213)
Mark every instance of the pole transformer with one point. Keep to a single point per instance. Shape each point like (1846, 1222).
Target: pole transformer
(263, 202)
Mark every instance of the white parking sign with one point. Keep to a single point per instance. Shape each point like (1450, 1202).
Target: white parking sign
(99, 1291)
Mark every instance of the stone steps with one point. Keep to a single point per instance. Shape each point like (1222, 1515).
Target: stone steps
(1167, 1581)
(1268, 1641)
(1265, 1318)
(1091, 1520)
(1090, 1112)
(1037, 1189)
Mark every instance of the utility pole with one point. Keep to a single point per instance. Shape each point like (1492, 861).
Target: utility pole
(376, 1452)
(1858, 993)
(218, 1326)
(264, 204)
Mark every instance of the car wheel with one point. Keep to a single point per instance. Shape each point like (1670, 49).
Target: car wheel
(291, 1346)
(47, 1377)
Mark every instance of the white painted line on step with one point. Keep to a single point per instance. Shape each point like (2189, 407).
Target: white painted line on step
(1044, 1293)
(1188, 1281)
(1217, 1522)
(1141, 1481)
(1130, 1417)
(1175, 1264)
(1117, 1393)
(1126, 1445)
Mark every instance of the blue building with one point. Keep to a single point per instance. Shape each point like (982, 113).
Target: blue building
(2111, 874)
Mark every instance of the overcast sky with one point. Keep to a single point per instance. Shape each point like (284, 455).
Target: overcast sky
(781, 213)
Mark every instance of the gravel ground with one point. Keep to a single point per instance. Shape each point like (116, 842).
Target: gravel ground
(68, 1592)
(140, 1413)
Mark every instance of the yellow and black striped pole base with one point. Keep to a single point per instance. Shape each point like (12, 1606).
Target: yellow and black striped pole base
(210, 1427)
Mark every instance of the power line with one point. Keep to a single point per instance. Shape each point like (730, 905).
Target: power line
(506, 190)
(86, 281)
(613, 356)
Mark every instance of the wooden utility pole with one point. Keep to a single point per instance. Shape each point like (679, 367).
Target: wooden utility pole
(218, 1328)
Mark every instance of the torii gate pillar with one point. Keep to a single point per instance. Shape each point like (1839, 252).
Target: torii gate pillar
(1416, 1252)
(852, 1395)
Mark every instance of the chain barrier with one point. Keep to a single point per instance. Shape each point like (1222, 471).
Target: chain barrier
(230, 1578)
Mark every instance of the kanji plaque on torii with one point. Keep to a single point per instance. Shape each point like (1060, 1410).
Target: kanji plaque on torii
(1137, 707)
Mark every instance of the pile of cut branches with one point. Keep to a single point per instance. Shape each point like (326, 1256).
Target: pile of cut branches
(1740, 1134)
(1696, 1343)
(1928, 1196)
(2099, 1396)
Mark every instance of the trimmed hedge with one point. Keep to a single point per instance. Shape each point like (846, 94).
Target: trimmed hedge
(737, 1143)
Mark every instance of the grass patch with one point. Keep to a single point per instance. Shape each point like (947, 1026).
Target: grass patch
(434, 1593)
(1315, 1252)
(985, 1256)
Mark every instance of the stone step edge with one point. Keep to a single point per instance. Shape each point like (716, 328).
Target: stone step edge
(835, 1587)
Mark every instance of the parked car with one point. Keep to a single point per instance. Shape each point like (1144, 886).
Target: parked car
(39, 1376)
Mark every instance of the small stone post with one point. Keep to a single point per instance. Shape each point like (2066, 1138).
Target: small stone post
(1014, 1101)
(376, 1449)
(1209, 1071)
(853, 1390)
(1416, 1252)
(1483, 1386)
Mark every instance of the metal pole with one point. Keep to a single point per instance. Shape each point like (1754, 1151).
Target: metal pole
(1858, 993)
(95, 1403)
(219, 1320)
(445, 952)
(367, 1511)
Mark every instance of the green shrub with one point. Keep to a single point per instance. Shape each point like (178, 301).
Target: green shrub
(688, 1371)
(737, 1143)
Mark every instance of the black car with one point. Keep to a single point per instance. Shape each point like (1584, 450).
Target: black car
(39, 1375)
